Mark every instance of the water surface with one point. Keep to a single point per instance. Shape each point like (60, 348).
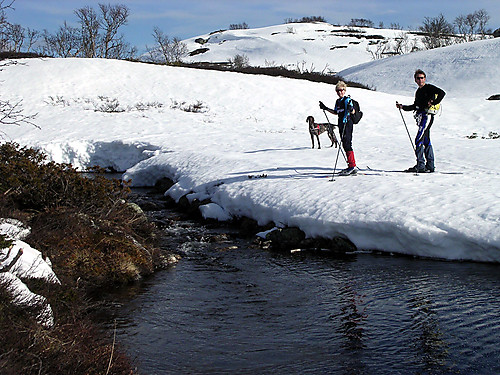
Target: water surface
(231, 308)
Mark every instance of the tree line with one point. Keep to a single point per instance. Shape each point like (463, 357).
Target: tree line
(98, 35)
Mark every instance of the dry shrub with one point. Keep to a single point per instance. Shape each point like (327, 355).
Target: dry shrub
(31, 182)
(92, 251)
(93, 237)
(73, 346)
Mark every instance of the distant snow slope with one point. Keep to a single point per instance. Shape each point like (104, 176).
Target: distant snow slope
(464, 70)
(314, 46)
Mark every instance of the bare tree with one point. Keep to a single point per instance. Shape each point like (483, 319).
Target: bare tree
(66, 42)
(361, 22)
(240, 61)
(166, 50)
(379, 51)
(96, 36)
(89, 24)
(10, 114)
(461, 26)
(32, 37)
(403, 44)
(99, 30)
(482, 17)
(113, 17)
(238, 26)
(438, 32)
(471, 22)
(15, 37)
(4, 25)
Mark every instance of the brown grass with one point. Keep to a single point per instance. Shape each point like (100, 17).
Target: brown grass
(94, 239)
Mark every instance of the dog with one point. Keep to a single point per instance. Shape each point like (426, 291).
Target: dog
(317, 129)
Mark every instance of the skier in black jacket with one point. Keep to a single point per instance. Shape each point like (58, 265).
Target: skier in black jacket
(426, 96)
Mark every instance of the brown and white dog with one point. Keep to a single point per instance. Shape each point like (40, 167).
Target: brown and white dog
(318, 129)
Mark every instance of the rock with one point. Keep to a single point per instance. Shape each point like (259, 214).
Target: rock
(286, 238)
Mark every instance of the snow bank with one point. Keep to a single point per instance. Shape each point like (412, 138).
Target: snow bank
(24, 262)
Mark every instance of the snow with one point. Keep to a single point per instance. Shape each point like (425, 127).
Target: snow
(317, 46)
(469, 69)
(249, 151)
(29, 265)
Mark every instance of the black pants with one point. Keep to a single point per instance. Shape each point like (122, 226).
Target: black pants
(346, 134)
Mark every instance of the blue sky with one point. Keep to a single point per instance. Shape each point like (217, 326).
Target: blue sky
(188, 18)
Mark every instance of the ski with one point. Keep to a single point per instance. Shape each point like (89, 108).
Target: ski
(343, 175)
(359, 171)
(414, 173)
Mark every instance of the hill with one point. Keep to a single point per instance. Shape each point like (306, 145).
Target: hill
(466, 69)
(317, 46)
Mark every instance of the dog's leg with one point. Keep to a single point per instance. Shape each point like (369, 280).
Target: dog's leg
(332, 136)
(312, 139)
(319, 144)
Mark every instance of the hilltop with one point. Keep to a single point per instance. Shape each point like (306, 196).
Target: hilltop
(316, 46)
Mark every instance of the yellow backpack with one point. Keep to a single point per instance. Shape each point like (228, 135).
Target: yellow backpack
(434, 109)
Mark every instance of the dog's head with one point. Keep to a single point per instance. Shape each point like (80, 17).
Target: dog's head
(310, 121)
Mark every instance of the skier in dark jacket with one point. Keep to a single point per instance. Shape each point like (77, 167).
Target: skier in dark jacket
(426, 96)
(343, 109)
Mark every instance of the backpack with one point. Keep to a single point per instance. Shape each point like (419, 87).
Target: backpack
(356, 116)
(434, 109)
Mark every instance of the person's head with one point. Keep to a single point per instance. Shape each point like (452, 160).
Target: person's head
(340, 88)
(419, 77)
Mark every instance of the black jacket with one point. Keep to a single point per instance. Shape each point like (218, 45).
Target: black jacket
(425, 94)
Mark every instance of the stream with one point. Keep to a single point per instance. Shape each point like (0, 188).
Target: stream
(231, 307)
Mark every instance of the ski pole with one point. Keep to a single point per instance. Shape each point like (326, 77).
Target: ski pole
(404, 122)
(340, 146)
(338, 152)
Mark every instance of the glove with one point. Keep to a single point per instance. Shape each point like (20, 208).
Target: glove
(322, 106)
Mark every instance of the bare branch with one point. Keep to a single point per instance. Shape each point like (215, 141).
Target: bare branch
(12, 114)
(8, 4)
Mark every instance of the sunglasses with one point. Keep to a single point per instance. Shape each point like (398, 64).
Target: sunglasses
(339, 90)
(419, 77)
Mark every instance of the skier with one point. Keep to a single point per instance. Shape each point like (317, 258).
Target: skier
(343, 109)
(426, 96)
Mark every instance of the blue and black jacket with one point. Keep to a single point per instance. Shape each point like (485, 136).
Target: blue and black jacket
(343, 108)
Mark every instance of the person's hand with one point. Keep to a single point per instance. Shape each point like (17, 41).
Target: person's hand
(322, 106)
(398, 105)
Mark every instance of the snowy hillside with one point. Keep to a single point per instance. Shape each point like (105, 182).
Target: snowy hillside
(467, 69)
(242, 141)
(319, 47)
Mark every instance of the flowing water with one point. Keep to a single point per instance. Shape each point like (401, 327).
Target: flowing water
(229, 307)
